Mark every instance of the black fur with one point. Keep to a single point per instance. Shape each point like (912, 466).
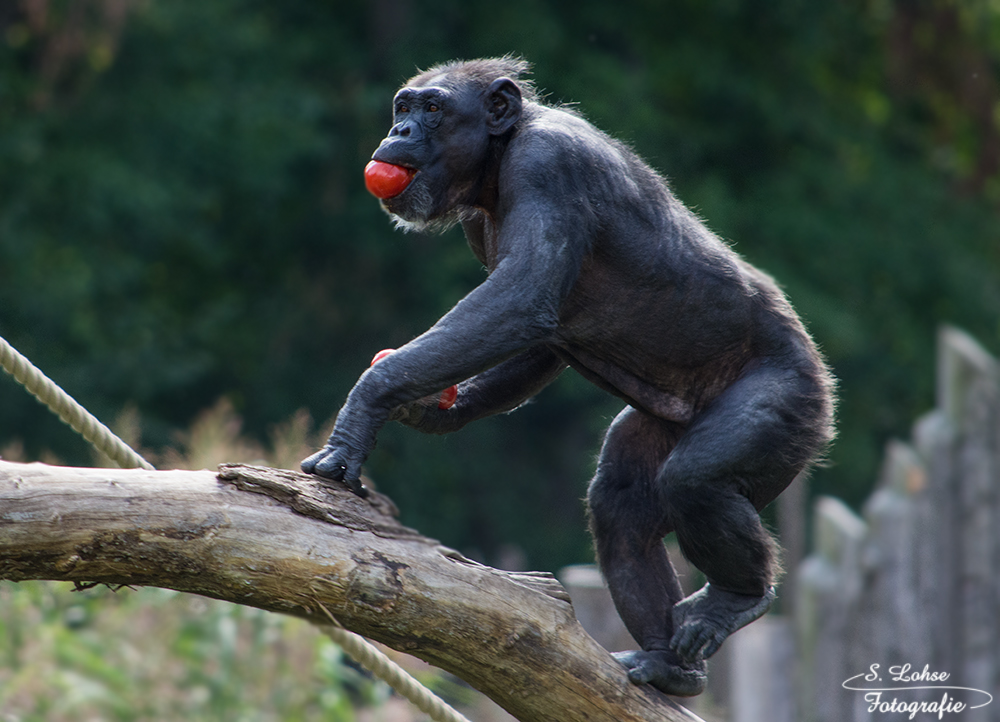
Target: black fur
(594, 264)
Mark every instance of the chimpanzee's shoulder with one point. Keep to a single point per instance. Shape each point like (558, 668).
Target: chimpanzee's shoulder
(553, 141)
(558, 130)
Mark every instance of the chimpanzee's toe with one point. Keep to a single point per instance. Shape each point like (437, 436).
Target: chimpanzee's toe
(665, 671)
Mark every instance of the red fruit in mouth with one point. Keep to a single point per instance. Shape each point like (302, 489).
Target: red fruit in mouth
(385, 180)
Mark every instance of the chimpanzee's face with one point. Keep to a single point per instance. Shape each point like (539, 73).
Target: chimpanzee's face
(439, 130)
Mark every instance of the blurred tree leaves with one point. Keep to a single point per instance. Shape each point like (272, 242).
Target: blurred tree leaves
(182, 215)
(155, 654)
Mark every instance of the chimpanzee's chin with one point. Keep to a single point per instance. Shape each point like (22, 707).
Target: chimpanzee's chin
(414, 210)
(438, 224)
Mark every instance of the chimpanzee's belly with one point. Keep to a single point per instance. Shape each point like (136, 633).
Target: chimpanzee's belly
(636, 391)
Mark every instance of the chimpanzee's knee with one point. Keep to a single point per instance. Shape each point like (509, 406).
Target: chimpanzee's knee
(623, 501)
(719, 532)
(623, 515)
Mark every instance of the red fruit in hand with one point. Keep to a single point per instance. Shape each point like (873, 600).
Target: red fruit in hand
(385, 180)
(448, 396)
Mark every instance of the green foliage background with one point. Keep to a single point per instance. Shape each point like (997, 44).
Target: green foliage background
(182, 215)
(155, 654)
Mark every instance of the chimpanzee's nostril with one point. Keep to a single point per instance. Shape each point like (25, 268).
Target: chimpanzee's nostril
(402, 129)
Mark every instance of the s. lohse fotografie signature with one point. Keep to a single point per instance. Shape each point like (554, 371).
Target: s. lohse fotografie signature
(954, 700)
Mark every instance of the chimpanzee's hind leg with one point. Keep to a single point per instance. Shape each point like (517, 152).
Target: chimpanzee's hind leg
(628, 521)
(734, 459)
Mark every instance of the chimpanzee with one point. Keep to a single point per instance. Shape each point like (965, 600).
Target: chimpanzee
(594, 264)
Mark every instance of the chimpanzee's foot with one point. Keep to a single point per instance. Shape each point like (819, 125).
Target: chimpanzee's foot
(664, 671)
(707, 617)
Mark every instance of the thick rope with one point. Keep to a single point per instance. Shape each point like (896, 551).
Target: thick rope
(372, 659)
(101, 437)
(67, 409)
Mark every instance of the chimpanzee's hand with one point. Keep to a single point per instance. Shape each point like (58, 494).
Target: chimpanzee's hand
(428, 418)
(350, 443)
(339, 464)
(411, 414)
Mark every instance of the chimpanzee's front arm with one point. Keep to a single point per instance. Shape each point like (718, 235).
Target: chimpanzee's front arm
(495, 391)
(514, 310)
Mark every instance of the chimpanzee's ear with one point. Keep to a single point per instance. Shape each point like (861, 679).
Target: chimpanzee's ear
(503, 105)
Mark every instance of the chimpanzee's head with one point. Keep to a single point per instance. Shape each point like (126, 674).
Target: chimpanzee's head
(447, 122)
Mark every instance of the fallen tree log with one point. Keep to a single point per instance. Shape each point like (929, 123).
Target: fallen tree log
(281, 541)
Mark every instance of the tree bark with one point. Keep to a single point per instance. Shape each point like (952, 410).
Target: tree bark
(282, 541)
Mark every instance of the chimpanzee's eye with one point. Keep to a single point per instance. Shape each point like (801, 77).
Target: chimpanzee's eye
(433, 108)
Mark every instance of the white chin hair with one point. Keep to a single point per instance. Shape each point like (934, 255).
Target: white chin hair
(423, 225)
(418, 210)
(414, 226)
